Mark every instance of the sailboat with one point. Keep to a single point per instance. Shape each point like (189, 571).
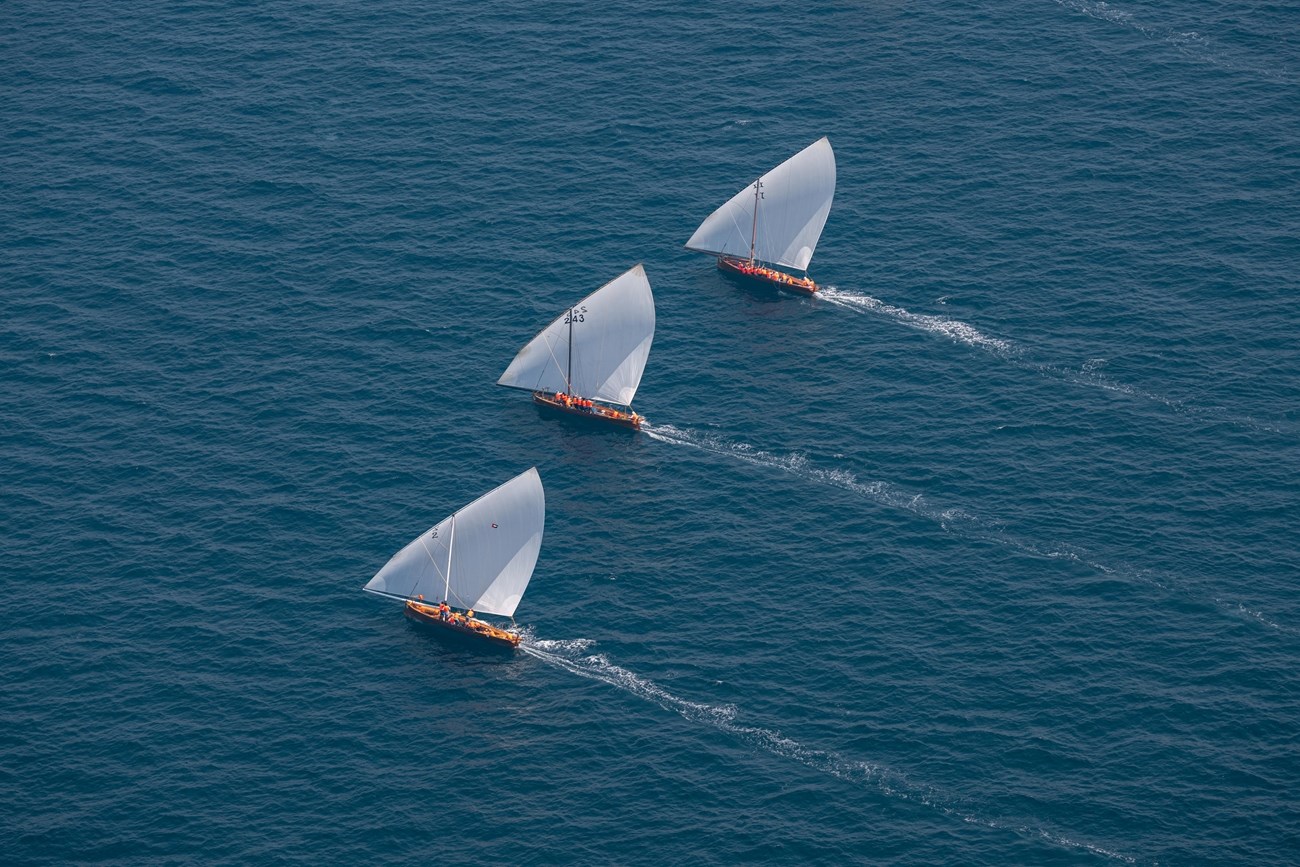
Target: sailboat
(477, 560)
(776, 220)
(589, 361)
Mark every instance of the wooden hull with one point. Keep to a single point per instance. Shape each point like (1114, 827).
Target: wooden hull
(481, 634)
(758, 275)
(597, 412)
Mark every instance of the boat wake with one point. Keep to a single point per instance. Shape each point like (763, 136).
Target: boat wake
(1191, 43)
(574, 657)
(958, 332)
(951, 519)
(1089, 374)
(798, 464)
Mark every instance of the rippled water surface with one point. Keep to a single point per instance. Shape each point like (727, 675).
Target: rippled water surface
(987, 555)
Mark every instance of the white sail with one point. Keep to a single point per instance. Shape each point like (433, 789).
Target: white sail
(795, 200)
(607, 343)
(482, 557)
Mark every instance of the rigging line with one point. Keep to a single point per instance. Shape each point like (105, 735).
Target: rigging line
(551, 352)
(458, 598)
(434, 561)
(739, 231)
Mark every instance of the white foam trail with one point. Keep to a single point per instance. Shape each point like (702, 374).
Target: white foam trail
(798, 464)
(567, 655)
(951, 519)
(1191, 43)
(1089, 374)
(1098, 9)
(1253, 614)
(597, 667)
(959, 332)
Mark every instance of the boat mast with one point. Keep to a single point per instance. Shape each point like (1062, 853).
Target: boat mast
(753, 230)
(568, 371)
(446, 590)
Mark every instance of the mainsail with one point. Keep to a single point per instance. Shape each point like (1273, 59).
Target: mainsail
(793, 201)
(597, 348)
(481, 557)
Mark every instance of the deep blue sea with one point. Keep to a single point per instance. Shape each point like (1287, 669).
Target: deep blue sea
(988, 555)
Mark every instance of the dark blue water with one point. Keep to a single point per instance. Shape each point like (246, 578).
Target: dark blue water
(988, 556)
